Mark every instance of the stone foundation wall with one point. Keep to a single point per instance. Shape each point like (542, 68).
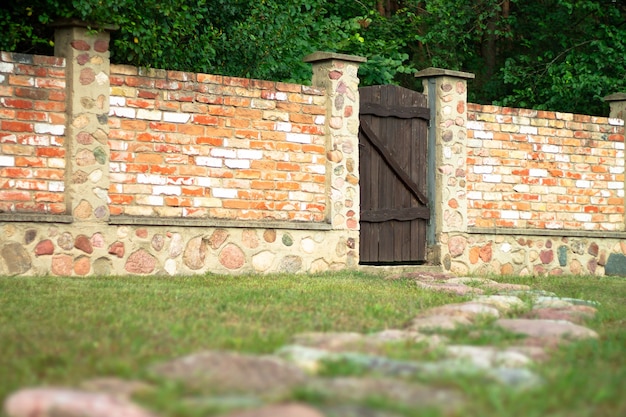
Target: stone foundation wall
(39, 249)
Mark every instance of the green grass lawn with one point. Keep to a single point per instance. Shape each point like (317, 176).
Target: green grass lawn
(60, 331)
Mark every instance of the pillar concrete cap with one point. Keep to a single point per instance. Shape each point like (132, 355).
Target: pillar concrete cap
(328, 56)
(615, 97)
(432, 72)
(69, 23)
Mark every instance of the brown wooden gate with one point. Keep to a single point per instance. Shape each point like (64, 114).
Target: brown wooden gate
(393, 159)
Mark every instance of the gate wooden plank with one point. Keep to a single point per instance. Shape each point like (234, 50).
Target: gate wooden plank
(388, 157)
(399, 111)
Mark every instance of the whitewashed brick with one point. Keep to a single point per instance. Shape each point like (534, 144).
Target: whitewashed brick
(474, 195)
(223, 153)
(298, 138)
(207, 161)
(616, 170)
(7, 161)
(492, 178)
(117, 101)
(483, 169)
(249, 154)
(166, 189)
(619, 145)
(300, 196)
(479, 134)
(488, 196)
(473, 125)
(551, 149)
(237, 163)
(525, 215)
(320, 120)
(56, 186)
(509, 214)
(554, 225)
(122, 112)
(151, 179)
(56, 163)
(474, 143)
(7, 67)
(149, 114)
(207, 202)
(176, 117)
(283, 127)
(537, 172)
(2, 78)
(521, 188)
(583, 184)
(615, 185)
(561, 158)
(316, 169)
(582, 217)
(207, 182)
(224, 193)
(528, 130)
(616, 122)
(43, 128)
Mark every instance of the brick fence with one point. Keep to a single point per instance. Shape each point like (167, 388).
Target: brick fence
(110, 169)
(520, 191)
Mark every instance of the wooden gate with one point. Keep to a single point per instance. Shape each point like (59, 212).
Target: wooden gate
(393, 159)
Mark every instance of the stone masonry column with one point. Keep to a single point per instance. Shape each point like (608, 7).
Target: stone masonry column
(447, 147)
(337, 75)
(87, 175)
(617, 102)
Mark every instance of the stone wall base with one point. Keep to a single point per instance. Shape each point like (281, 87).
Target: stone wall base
(33, 249)
(538, 255)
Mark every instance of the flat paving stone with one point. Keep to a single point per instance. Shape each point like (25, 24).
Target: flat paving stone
(546, 328)
(504, 303)
(279, 410)
(438, 322)
(577, 314)
(217, 371)
(65, 402)
(488, 356)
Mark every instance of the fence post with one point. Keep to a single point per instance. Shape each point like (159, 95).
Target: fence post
(88, 67)
(337, 75)
(447, 152)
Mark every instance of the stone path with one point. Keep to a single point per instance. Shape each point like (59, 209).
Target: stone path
(243, 385)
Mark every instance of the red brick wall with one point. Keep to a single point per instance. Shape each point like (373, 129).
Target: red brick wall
(197, 145)
(541, 169)
(32, 133)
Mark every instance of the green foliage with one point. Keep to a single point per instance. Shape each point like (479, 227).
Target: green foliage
(560, 55)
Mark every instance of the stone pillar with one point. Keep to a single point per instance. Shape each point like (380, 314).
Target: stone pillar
(87, 174)
(617, 102)
(447, 98)
(337, 75)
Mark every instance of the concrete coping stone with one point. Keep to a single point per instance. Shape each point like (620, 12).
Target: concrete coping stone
(208, 222)
(615, 97)
(440, 72)
(65, 23)
(36, 218)
(547, 232)
(328, 56)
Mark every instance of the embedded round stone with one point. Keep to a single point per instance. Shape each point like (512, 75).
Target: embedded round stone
(82, 265)
(195, 253)
(269, 235)
(83, 243)
(16, 259)
(45, 247)
(140, 262)
(232, 257)
(287, 239)
(117, 249)
(62, 265)
(290, 264)
(218, 238)
(262, 261)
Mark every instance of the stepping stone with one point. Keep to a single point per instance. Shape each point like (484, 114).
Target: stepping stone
(450, 288)
(355, 410)
(438, 322)
(115, 386)
(279, 410)
(396, 335)
(551, 302)
(488, 356)
(215, 371)
(470, 310)
(413, 395)
(504, 303)
(56, 402)
(333, 341)
(561, 330)
(577, 314)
